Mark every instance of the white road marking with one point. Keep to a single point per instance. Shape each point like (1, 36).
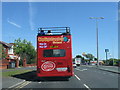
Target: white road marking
(23, 84)
(16, 84)
(86, 86)
(84, 69)
(80, 70)
(39, 82)
(77, 77)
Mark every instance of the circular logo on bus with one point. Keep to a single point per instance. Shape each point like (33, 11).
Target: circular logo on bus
(48, 66)
(65, 39)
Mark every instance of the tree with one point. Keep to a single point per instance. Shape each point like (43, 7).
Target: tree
(3, 54)
(111, 60)
(95, 59)
(24, 49)
(89, 57)
(78, 56)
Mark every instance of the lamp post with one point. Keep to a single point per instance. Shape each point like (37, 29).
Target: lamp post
(96, 18)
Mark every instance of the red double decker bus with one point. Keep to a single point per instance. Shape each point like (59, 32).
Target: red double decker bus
(54, 52)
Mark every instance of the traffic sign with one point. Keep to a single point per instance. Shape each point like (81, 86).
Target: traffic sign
(106, 50)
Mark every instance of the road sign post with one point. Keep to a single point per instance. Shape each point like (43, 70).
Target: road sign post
(106, 51)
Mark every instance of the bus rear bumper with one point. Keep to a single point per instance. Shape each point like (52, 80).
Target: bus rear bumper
(54, 75)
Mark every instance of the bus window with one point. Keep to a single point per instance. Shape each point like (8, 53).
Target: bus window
(54, 53)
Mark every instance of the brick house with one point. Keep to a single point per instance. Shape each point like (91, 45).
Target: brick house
(11, 60)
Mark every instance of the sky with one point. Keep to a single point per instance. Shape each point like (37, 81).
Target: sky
(22, 20)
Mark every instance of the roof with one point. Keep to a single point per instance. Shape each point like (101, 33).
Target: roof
(6, 44)
(53, 31)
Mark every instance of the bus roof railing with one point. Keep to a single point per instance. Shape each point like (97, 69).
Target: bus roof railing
(55, 30)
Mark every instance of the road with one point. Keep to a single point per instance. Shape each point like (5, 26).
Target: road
(84, 77)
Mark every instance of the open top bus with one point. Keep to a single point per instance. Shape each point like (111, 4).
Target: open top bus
(54, 52)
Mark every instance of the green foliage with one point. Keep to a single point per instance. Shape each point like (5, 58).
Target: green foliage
(3, 54)
(14, 72)
(104, 61)
(89, 56)
(24, 49)
(78, 56)
(95, 59)
(111, 60)
(116, 61)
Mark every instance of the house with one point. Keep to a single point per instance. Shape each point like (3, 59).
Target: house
(8, 59)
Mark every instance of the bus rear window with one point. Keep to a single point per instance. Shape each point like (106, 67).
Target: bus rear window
(54, 53)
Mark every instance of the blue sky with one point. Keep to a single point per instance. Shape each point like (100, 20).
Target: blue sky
(22, 19)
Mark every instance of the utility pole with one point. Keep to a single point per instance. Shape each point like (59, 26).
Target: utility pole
(97, 43)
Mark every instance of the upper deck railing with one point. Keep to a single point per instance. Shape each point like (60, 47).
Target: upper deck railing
(53, 31)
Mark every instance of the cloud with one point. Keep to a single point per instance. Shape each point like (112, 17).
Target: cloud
(13, 23)
(31, 15)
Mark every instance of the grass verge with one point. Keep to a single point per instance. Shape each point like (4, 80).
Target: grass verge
(15, 72)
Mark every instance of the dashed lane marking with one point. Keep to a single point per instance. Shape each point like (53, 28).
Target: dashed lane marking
(80, 70)
(84, 69)
(86, 86)
(77, 77)
(39, 82)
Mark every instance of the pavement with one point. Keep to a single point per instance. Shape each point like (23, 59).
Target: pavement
(8, 82)
(114, 69)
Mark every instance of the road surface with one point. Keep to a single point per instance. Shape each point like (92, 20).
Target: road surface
(84, 77)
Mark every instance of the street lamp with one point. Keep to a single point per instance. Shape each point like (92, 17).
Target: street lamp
(96, 18)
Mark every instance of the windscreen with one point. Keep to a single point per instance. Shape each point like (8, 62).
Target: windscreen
(54, 53)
